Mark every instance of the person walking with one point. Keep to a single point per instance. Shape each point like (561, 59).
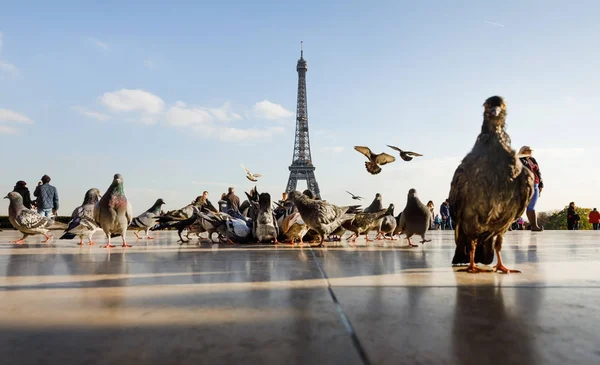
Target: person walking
(21, 188)
(526, 157)
(571, 215)
(445, 213)
(432, 213)
(594, 218)
(47, 198)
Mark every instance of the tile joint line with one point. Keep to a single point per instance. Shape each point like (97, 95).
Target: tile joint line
(343, 317)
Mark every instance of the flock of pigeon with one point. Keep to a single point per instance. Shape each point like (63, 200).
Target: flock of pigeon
(490, 189)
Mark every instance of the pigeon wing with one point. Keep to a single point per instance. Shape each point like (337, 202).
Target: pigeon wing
(384, 158)
(412, 153)
(247, 171)
(257, 175)
(31, 220)
(395, 148)
(364, 150)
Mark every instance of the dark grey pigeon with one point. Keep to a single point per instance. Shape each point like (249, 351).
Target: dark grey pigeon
(388, 223)
(490, 190)
(82, 221)
(375, 206)
(26, 221)
(114, 212)
(319, 215)
(415, 218)
(147, 220)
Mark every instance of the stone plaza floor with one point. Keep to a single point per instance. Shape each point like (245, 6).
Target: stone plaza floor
(162, 303)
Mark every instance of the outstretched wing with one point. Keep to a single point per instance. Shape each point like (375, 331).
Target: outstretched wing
(395, 148)
(247, 171)
(364, 150)
(350, 193)
(412, 153)
(257, 175)
(384, 158)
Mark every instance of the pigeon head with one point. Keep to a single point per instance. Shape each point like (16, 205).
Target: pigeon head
(390, 210)
(295, 196)
(159, 202)
(309, 194)
(264, 200)
(378, 196)
(495, 109)
(412, 193)
(91, 196)
(118, 178)
(14, 197)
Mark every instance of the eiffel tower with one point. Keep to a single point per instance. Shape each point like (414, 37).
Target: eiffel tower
(302, 167)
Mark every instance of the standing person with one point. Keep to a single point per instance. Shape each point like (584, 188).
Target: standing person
(571, 213)
(594, 218)
(431, 212)
(21, 188)
(525, 155)
(47, 198)
(445, 213)
(233, 202)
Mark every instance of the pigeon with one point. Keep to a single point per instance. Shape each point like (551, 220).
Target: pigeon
(319, 215)
(355, 197)
(489, 190)
(113, 212)
(147, 220)
(388, 224)
(250, 176)
(82, 221)
(178, 223)
(405, 155)
(293, 227)
(264, 225)
(364, 223)
(375, 206)
(415, 218)
(374, 159)
(26, 221)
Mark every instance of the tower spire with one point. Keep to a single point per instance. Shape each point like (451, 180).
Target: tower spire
(302, 167)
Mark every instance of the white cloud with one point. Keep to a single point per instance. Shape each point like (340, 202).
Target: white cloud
(229, 134)
(335, 149)
(151, 65)
(11, 116)
(128, 100)
(98, 43)
(4, 129)
(90, 113)
(224, 113)
(9, 68)
(494, 23)
(271, 111)
(181, 116)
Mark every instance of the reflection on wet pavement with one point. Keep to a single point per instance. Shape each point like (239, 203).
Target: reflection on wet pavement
(162, 303)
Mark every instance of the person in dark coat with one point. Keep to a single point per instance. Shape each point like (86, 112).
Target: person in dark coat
(233, 202)
(47, 198)
(445, 213)
(571, 216)
(21, 188)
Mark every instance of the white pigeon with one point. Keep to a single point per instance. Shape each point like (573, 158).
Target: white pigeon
(82, 221)
(26, 221)
(250, 176)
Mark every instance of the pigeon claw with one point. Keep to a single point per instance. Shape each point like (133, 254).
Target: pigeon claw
(18, 241)
(108, 246)
(125, 245)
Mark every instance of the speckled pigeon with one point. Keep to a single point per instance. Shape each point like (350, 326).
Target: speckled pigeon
(82, 219)
(26, 221)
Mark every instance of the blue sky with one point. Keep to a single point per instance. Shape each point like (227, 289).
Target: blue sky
(176, 96)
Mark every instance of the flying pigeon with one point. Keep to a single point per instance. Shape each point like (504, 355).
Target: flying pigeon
(147, 220)
(489, 190)
(405, 155)
(113, 212)
(82, 221)
(250, 176)
(415, 218)
(374, 159)
(26, 221)
(355, 197)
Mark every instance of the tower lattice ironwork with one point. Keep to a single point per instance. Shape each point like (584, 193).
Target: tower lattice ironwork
(302, 167)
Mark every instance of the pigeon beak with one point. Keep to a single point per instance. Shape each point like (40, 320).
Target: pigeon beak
(496, 111)
(6, 197)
